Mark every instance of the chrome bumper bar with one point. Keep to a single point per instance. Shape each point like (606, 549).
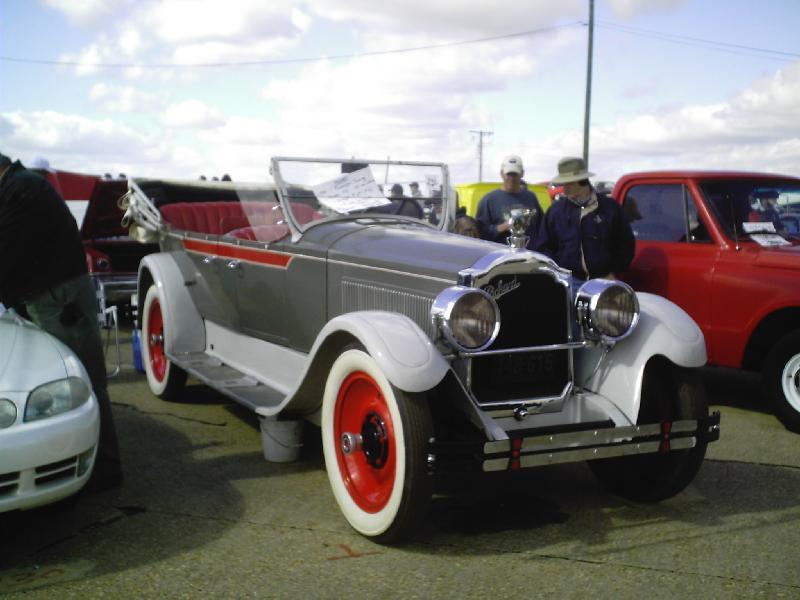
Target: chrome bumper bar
(539, 450)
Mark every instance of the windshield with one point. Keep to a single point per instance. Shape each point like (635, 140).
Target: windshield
(746, 207)
(316, 189)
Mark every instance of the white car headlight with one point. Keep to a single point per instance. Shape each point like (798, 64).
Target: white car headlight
(55, 398)
(607, 310)
(8, 413)
(468, 317)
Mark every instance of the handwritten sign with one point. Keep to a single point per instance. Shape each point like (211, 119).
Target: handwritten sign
(352, 191)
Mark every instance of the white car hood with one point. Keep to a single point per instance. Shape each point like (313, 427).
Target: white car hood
(29, 357)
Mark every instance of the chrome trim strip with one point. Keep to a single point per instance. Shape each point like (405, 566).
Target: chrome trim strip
(536, 460)
(567, 346)
(393, 271)
(536, 403)
(589, 438)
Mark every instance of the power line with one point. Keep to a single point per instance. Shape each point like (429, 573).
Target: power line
(702, 43)
(286, 61)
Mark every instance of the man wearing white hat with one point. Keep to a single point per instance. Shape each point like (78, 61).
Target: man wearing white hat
(493, 209)
(586, 231)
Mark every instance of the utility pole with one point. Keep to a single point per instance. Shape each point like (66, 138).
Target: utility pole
(480, 135)
(588, 108)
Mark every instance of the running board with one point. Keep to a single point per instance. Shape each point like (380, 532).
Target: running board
(240, 387)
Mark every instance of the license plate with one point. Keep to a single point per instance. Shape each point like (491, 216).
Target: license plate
(519, 368)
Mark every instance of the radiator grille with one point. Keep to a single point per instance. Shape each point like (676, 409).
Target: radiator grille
(357, 295)
(533, 312)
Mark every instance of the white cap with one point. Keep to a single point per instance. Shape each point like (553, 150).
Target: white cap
(512, 164)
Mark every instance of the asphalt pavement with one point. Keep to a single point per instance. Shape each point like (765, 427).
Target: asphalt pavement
(201, 514)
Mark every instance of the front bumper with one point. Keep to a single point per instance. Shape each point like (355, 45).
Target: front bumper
(533, 448)
(45, 461)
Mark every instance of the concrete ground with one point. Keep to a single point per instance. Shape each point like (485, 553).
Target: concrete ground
(202, 514)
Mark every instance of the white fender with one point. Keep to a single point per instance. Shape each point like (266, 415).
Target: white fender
(401, 349)
(664, 329)
(184, 330)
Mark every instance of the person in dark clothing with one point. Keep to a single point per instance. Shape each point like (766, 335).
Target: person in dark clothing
(53, 288)
(494, 208)
(585, 232)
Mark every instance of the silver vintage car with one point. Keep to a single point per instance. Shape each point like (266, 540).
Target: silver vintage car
(336, 296)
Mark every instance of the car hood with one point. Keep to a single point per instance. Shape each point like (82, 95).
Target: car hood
(781, 257)
(412, 248)
(28, 355)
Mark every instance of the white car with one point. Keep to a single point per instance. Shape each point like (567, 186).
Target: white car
(49, 417)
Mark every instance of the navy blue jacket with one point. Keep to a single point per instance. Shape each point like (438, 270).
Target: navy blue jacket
(492, 207)
(606, 237)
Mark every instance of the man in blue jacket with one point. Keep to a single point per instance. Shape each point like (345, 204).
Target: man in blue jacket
(493, 209)
(585, 232)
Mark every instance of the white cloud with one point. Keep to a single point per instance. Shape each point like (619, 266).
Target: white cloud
(89, 13)
(191, 114)
(627, 9)
(125, 98)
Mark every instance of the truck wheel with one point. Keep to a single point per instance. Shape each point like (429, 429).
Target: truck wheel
(374, 438)
(781, 375)
(669, 393)
(164, 378)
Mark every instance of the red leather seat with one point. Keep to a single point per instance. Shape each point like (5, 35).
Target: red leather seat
(218, 218)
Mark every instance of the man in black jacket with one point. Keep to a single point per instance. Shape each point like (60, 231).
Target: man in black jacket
(43, 273)
(585, 232)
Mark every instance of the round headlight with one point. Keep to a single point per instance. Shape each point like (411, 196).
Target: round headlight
(468, 317)
(55, 398)
(8, 413)
(607, 309)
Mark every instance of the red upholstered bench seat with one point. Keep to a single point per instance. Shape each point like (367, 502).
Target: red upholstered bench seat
(219, 218)
(224, 218)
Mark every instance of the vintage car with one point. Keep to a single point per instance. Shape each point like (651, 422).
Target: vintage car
(722, 246)
(49, 419)
(415, 350)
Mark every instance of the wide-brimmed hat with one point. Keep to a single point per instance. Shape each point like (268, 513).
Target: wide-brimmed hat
(571, 169)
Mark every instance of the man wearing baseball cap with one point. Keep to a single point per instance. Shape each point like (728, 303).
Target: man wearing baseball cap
(585, 232)
(493, 209)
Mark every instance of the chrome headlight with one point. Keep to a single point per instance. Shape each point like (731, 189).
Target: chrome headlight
(8, 413)
(607, 310)
(468, 317)
(55, 398)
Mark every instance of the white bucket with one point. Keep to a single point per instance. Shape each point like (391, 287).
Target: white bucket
(281, 441)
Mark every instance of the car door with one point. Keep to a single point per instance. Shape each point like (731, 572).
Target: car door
(675, 254)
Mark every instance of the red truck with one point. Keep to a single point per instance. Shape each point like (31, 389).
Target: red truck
(724, 247)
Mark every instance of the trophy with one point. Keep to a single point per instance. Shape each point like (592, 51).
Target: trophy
(518, 220)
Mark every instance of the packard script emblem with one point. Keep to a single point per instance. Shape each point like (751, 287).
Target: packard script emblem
(500, 289)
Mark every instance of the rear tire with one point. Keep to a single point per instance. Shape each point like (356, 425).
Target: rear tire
(781, 376)
(164, 378)
(669, 393)
(382, 486)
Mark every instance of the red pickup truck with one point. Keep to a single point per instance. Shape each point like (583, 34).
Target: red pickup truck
(724, 247)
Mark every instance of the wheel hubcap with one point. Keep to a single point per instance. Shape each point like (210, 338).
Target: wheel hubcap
(790, 381)
(366, 459)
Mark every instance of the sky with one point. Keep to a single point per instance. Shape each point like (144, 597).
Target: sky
(183, 88)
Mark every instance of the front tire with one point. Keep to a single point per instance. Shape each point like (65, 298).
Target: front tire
(669, 393)
(164, 378)
(379, 476)
(781, 375)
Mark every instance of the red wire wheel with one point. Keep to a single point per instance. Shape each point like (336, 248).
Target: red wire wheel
(155, 340)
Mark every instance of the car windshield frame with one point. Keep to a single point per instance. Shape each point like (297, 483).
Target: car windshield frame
(353, 193)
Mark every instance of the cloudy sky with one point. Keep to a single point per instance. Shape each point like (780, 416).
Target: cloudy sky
(181, 88)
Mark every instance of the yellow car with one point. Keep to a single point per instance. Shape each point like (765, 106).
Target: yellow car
(469, 194)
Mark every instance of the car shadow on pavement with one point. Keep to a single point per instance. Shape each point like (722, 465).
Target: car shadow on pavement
(177, 495)
(564, 504)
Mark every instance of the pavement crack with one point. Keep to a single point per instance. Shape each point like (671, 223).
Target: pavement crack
(751, 463)
(168, 414)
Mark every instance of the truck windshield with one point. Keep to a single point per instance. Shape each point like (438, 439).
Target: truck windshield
(770, 201)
